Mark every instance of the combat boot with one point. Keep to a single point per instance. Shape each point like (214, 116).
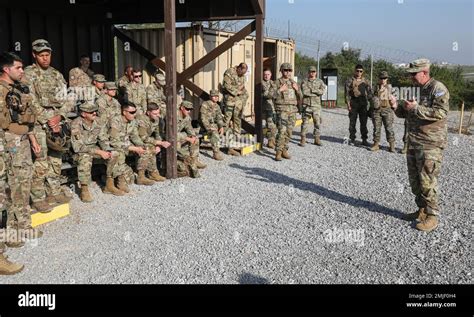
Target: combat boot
(85, 196)
(111, 189)
(217, 156)
(233, 152)
(155, 176)
(392, 147)
(143, 180)
(286, 155)
(365, 143)
(278, 156)
(303, 141)
(58, 199)
(15, 244)
(429, 224)
(122, 184)
(317, 141)
(405, 148)
(375, 147)
(419, 215)
(271, 144)
(199, 164)
(42, 206)
(194, 172)
(9, 268)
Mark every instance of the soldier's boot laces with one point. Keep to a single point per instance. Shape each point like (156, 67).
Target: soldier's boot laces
(271, 144)
(303, 141)
(9, 268)
(317, 141)
(143, 180)
(42, 206)
(217, 156)
(85, 196)
(418, 215)
(233, 152)
(199, 164)
(405, 149)
(111, 189)
(429, 224)
(286, 155)
(392, 147)
(155, 176)
(375, 147)
(122, 184)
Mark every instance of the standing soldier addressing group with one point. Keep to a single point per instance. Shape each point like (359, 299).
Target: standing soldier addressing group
(383, 112)
(212, 120)
(427, 138)
(312, 89)
(268, 88)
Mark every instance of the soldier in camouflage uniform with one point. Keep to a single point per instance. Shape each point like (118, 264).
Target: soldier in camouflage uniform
(286, 95)
(212, 120)
(235, 98)
(123, 81)
(81, 76)
(405, 138)
(98, 81)
(312, 89)
(383, 112)
(156, 94)
(107, 105)
(357, 92)
(149, 132)
(89, 140)
(49, 88)
(17, 120)
(427, 138)
(268, 107)
(187, 142)
(135, 92)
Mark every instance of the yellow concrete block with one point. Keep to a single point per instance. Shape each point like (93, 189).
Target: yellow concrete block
(246, 150)
(58, 212)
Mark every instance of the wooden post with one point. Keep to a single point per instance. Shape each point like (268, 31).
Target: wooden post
(170, 71)
(258, 74)
(461, 118)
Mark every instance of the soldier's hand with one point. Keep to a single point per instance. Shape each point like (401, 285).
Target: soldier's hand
(139, 150)
(104, 154)
(393, 102)
(349, 106)
(35, 147)
(157, 149)
(410, 105)
(295, 86)
(221, 131)
(191, 140)
(165, 144)
(54, 121)
(283, 88)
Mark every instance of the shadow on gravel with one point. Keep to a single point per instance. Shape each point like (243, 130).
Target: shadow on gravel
(278, 178)
(247, 278)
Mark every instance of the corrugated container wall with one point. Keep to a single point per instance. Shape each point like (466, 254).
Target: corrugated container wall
(192, 44)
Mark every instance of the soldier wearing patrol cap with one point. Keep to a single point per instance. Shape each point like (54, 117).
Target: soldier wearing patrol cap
(98, 81)
(155, 93)
(427, 137)
(89, 140)
(108, 106)
(187, 142)
(383, 113)
(312, 89)
(268, 85)
(212, 120)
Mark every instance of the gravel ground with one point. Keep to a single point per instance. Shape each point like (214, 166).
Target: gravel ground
(329, 215)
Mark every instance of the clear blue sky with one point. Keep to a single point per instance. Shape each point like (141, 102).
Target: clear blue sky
(398, 31)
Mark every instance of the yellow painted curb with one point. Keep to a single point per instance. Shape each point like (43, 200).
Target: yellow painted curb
(246, 150)
(58, 212)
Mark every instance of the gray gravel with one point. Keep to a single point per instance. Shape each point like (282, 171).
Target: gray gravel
(254, 220)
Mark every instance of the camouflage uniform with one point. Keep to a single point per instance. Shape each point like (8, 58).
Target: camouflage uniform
(234, 99)
(268, 88)
(187, 153)
(79, 78)
(312, 90)
(149, 132)
(383, 113)
(427, 138)
(4, 204)
(212, 120)
(358, 93)
(17, 155)
(136, 94)
(108, 107)
(155, 94)
(45, 85)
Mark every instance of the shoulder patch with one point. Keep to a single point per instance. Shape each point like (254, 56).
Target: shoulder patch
(439, 93)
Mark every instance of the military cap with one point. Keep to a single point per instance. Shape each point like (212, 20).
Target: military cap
(161, 79)
(214, 92)
(110, 85)
(286, 66)
(99, 78)
(187, 104)
(418, 65)
(383, 74)
(312, 69)
(88, 107)
(41, 45)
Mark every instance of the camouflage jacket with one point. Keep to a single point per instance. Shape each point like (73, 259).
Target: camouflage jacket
(79, 78)
(312, 90)
(122, 82)
(136, 93)
(210, 115)
(382, 96)
(107, 108)
(268, 89)
(185, 128)
(354, 88)
(123, 134)
(231, 87)
(86, 138)
(148, 129)
(156, 95)
(427, 123)
(49, 88)
(286, 100)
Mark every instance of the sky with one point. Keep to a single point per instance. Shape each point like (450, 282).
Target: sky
(396, 30)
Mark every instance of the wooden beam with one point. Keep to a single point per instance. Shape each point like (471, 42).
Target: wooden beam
(258, 74)
(170, 88)
(196, 66)
(257, 7)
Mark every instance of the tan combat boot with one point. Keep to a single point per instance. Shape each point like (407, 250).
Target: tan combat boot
(85, 196)
(155, 176)
(271, 144)
(405, 148)
(286, 155)
(375, 147)
(429, 224)
(317, 141)
(233, 152)
(58, 199)
(419, 215)
(42, 206)
(392, 147)
(303, 141)
(278, 156)
(122, 184)
(143, 180)
(111, 189)
(199, 164)
(9, 268)
(217, 156)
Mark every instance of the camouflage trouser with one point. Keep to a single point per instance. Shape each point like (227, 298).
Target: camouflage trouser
(424, 167)
(359, 109)
(234, 113)
(147, 161)
(405, 133)
(285, 122)
(386, 116)
(84, 166)
(116, 166)
(3, 190)
(187, 155)
(46, 170)
(315, 114)
(214, 138)
(269, 116)
(19, 173)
